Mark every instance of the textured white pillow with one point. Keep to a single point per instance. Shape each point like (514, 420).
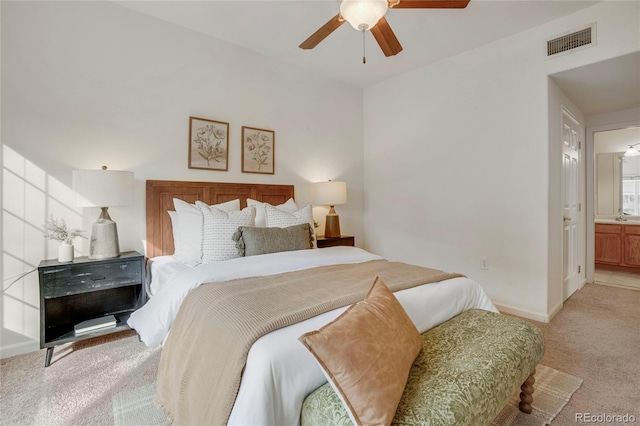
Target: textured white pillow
(288, 206)
(188, 246)
(282, 219)
(218, 229)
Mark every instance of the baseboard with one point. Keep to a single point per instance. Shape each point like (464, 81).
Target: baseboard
(534, 315)
(524, 313)
(583, 282)
(556, 309)
(18, 349)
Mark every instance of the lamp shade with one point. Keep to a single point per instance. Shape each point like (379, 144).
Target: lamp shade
(102, 188)
(331, 193)
(363, 14)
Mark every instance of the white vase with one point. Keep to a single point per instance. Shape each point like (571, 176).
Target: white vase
(65, 252)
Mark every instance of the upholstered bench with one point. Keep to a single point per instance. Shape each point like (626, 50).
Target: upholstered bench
(467, 371)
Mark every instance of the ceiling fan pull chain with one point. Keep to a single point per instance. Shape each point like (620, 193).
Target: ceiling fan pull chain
(364, 59)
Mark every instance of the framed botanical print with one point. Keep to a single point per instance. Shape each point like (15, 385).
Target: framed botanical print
(208, 144)
(258, 146)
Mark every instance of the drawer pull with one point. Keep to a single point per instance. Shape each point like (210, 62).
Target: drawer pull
(98, 278)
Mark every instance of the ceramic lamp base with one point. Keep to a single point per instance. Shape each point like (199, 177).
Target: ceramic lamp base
(332, 225)
(104, 238)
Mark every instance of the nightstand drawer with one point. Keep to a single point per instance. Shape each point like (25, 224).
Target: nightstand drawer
(343, 240)
(76, 279)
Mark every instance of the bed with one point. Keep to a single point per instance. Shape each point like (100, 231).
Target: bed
(276, 372)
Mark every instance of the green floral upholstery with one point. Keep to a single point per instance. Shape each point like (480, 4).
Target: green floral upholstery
(467, 371)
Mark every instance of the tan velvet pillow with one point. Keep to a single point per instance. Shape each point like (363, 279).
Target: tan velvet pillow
(366, 354)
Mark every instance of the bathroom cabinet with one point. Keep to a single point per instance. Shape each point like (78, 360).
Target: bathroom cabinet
(618, 247)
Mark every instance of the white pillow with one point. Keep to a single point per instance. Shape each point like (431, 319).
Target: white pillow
(218, 229)
(175, 223)
(281, 219)
(188, 246)
(288, 206)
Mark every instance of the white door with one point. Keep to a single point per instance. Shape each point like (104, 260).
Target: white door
(571, 145)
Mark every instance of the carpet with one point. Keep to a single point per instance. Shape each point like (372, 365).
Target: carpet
(553, 389)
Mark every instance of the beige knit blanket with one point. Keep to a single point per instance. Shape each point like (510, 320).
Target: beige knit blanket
(203, 358)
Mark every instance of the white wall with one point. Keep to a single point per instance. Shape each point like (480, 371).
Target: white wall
(457, 159)
(615, 119)
(93, 83)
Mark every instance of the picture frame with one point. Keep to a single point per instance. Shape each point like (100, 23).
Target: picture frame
(258, 150)
(208, 144)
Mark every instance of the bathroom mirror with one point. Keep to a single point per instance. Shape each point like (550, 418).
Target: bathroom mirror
(617, 178)
(608, 180)
(630, 185)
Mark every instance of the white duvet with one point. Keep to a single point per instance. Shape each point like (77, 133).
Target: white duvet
(280, 372)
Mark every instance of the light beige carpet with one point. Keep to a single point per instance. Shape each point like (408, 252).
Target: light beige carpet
(552, 391)
(79, 385)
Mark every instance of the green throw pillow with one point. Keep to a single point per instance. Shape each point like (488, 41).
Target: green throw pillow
(251, 240)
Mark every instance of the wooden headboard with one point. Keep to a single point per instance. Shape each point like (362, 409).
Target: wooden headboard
(160, 195)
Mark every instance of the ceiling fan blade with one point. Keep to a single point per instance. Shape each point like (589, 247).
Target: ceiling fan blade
(386, 38)
(428, 4)
(322, 33)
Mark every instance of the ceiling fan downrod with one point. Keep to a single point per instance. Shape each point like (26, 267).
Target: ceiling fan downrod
(364, 59)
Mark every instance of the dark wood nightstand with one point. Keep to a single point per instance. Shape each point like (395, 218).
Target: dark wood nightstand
(84, 289)
(342, 240)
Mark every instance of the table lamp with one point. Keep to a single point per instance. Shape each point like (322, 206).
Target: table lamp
(103, 188)
(331, 193)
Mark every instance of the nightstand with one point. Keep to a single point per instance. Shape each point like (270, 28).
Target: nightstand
(85, 289)
(342, 240)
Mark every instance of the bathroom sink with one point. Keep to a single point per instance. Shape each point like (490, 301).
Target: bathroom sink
(633, 221)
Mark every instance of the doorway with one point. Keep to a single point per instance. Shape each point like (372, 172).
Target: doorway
(607, 93)
(616, 206)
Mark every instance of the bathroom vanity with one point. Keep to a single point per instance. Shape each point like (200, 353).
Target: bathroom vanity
(618, 246)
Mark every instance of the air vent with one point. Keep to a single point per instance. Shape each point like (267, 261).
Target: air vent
(571, 41)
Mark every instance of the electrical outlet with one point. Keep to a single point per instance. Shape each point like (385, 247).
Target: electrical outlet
(484, 264)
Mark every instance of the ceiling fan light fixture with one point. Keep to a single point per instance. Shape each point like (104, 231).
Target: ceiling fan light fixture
(363, 14)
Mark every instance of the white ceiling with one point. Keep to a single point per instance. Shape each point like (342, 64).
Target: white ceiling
(605, 86)
(276, 28)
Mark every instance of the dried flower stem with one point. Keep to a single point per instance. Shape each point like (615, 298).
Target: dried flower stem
(57, 230)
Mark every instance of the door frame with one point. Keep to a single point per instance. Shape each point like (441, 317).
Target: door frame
(590, 159)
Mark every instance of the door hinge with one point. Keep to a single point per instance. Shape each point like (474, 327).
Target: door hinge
(579, 207)
(579, 144)
(579, 268)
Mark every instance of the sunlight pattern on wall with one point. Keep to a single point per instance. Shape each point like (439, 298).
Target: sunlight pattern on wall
(29, 196)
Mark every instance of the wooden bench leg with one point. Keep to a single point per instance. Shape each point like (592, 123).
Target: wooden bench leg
(526, 396)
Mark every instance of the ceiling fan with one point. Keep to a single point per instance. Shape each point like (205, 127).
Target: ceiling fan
(369, 15)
